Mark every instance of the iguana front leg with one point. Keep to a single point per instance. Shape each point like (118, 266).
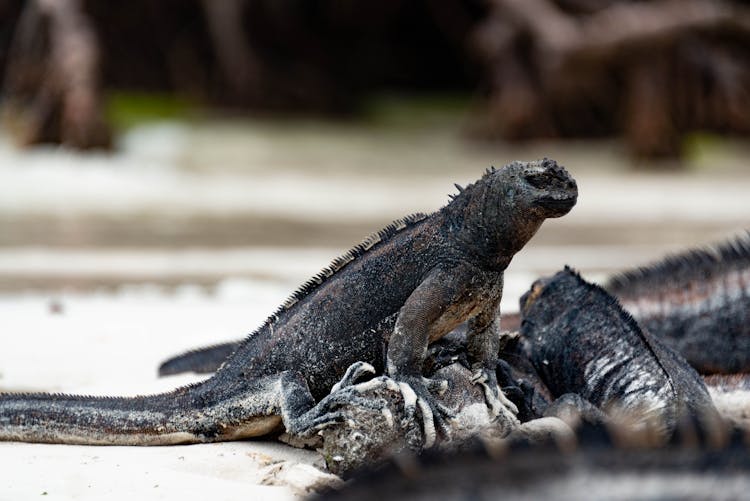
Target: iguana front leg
(441, 302)
(483, 344)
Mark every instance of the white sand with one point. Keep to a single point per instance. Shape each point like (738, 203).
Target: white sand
(111, 344)
(229, 471)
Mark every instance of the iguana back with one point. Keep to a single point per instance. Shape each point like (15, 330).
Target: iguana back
(697, 302)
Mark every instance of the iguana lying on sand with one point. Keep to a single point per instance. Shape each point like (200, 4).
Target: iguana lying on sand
(381, 303)
(582, 342)
(697, 302)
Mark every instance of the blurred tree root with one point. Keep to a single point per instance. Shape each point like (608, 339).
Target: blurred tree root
(52, 90)
(650, 71)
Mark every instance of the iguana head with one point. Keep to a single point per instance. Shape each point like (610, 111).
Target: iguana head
(542, 187)
(527, 191)
(498, 214)
(553, 293)
(552, 298)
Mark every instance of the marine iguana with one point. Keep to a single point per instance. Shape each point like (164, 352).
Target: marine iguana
(606, 360)
(697, 302)
(382, 303)
(581, 341)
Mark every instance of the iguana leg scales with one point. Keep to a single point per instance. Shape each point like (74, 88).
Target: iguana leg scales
(302, 417)
(320, 416)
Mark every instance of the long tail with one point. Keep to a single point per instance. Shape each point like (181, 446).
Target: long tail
(186, 415)
(201, 360)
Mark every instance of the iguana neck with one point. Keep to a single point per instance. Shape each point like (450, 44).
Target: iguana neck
(486, 230)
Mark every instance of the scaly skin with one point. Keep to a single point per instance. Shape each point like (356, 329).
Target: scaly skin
(697, 302)
(581, 341)
(381, 303)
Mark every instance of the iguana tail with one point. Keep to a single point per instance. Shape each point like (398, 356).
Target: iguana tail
(201, 360)
(186, 415)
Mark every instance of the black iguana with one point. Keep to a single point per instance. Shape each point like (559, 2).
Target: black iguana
(593, 360)
(581, 341)
(381, 303)
(697, 302)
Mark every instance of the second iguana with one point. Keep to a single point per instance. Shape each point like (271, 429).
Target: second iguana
(383, 302)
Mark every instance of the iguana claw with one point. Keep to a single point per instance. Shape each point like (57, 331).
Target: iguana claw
(327, 412)
(433, 412)
(416, 395)
(354, 373)
(345, 393)
(496, 400)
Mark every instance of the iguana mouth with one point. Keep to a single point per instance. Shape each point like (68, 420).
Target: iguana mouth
(558, 202)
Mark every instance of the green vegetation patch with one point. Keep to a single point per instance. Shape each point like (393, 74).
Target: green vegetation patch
(424, 110)
(127, 109)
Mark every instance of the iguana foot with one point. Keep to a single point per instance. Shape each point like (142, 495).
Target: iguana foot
(417, 394)
(496, 400)
(333, 409)
(355, 372)
(328, 411)
(433, 413)
(344, 394)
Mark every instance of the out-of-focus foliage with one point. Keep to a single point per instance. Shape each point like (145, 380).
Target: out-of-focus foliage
(127, 109)
(650, 71)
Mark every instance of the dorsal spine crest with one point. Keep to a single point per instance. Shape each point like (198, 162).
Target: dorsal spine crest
(701, 264)
(338, 263)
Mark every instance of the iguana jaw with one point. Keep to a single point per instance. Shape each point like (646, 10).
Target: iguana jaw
(557, 204)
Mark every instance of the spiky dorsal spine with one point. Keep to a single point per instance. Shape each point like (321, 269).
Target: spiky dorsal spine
(340, 262)
(696, 264)
(337, 265)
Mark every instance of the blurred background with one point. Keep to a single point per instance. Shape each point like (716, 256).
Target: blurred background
(170, 171)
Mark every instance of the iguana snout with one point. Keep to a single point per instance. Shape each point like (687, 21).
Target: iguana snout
(556, 191)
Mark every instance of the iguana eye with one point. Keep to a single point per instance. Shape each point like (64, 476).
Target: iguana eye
(538, 181)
